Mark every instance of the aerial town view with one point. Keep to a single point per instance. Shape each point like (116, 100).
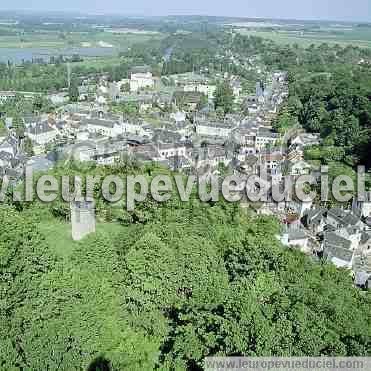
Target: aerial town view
(185, 186)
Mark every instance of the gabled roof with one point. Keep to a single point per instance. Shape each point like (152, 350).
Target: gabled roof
(141, 69)
(333, 239)
(103, 123)
(314, 216)
(342, 217)
(41, 128)
(267, 133)
(30, 119)
(365, 237)
(297, 235)
(361, 278)
(5, 156)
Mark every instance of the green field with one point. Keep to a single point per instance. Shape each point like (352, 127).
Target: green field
(98, 62)
(79, 39)
(361, 38)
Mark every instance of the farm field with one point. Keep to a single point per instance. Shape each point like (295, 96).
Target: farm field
(361, 38)
(57, 40)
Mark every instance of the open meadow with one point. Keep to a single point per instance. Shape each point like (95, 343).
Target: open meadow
(353, 36)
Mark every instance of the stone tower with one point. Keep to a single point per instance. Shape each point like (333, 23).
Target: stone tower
(82, 219)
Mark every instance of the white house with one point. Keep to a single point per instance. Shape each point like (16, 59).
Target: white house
(137, 128)
(7, 96)
(306, 139)
(237, 88)
(178, 116)
(214, 129)
(141, 80)
(58, 98)
(106, 128)
(167, 150)
(337, 249)
(191, 82)
(265, 138)
(5, 159)
(42, 133)
(296, 238)
(9, 146)
(206, 89)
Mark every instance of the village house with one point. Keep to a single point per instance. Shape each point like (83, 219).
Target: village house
(106, 128)
(179, 163)
(207, 90)
(306, 139)
(5, 159)
(187, 100)
(10, 145)
(270, 160)
(236, 88)
(296, 238)
(214, 129)
(253, 109)
(108, 153)
(146, 152)
(32, 119)
(58, 98)
(178, 116)
(363, 207)
(338, 250)
(345, 240)
(137, 127)
(167, 150)
(82, 150)
(6, 96)
(265, 138)
(163, 99)
(184, 128)
(42, 133)
(191, 82)
(212, 155)
(143, 101)
(141, 78)
(339, 218)
(314, 220)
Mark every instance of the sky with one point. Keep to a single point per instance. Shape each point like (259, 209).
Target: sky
(347, 10)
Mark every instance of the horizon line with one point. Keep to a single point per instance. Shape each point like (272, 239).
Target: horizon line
(119, 14)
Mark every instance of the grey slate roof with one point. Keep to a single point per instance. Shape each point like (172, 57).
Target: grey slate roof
(41, 128)
(342, 217)
(361, 278)
(102, 123)
(338, 247)
(314, 216)
(297, 235)
(141, 69)
(5, 156)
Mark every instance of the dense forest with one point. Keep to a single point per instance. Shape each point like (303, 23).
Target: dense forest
(337, 105)
(163, 287)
